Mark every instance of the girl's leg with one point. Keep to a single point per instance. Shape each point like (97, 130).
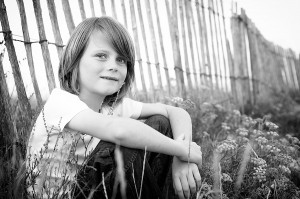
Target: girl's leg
(156, 169)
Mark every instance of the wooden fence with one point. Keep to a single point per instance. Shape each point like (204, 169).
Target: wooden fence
(182, 47)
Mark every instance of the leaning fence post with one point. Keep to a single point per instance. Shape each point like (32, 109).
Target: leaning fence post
(28, 49)
(25, 108)
(173, 25)
(44, 44)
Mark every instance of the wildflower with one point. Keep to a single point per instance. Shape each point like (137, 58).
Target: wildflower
(271, 125)
(259, 162)
(219, 107)
(177, 100)
(227, 145)
(242, 131)
(272, 133)
(236, 113)
(257, 132)
(261, 140)
(225, 126)
(284, 169)
(271, 148)
(226, 178)
(259, 174)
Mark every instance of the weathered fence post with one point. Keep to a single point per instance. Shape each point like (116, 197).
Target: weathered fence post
(173, 25)
(187, 11)
(28, 49)
(137, 46)
(25, 115)
(68, 15)
(55, 27)
(186, 59)
(44, 44)
(154, 46)
(238, 62)
(162, 48)
(139, 9)
(81, 8)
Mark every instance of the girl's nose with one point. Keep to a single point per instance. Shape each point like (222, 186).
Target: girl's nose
(112, 66)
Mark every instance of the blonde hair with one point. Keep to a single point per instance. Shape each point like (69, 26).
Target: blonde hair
(73, 51)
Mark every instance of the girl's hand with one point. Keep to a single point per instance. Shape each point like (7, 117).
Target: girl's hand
(192, 151)
(186, 178)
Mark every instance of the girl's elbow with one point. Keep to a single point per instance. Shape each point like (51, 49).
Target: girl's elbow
(119, 134)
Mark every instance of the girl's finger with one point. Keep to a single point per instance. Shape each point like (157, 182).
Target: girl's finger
(197, 176)
(178, 188)
(185, 186)
(192, 182)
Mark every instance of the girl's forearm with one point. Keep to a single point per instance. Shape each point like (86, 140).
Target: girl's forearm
(180, 122)
(135, 134)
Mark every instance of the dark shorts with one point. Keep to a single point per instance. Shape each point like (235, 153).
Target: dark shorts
(157, 181)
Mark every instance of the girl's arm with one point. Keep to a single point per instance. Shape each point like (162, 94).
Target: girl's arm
(132, 133)
(186, 177)
(180, 120)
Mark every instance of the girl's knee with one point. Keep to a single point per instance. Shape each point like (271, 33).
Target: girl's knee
(160, 123)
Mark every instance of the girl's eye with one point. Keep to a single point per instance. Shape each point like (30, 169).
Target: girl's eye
(102, 56)
(122, 61)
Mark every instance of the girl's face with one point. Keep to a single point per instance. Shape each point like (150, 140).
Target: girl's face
(102, 71)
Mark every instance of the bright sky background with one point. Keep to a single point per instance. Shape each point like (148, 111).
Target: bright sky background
(278, 20)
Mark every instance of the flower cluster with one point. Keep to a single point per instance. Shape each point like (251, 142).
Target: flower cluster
(260, 169)
(227, 145)
(284, 169)
(248, 121)
(257, 133)
(271, 126)
(271, 148)
(242, 132)
(272, 133)
(225, 126)
(261, 140)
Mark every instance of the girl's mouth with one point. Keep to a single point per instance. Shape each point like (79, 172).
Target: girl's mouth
(109, 78)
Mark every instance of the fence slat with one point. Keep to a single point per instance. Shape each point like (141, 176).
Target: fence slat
(209, 66)
(203, 75)
(222, 45)
(44, 44)
(244, 67)
(55, 27)
(145, 46)
(29, 53)
(68, 15)
(92, 8)
(25, 108)
(81, 8)
(124, 13)
(103, 12)
(214, 64)
(193, 25)
(137, 46)
(218, 63)
(173, 25)
(187, 6)
(154, 46)
(186, 59)
(113, 8)
(162, 49)
(238, 62)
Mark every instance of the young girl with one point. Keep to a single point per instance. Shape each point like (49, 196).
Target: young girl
(72, 144)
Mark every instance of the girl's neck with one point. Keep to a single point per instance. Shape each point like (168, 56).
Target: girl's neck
(94, 102)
